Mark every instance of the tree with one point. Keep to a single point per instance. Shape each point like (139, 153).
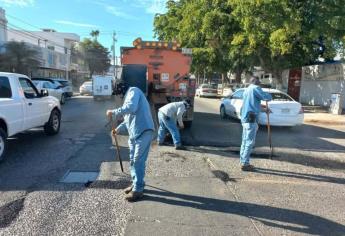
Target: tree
(207, 27)
(18, 57)
(284, 34)
(239, 34)
(95, 55)
(94, 34)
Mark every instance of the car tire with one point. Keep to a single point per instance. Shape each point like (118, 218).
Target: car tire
(63, 99)
(187, 124)
(222, 113)
(52, 127)
(3, 144)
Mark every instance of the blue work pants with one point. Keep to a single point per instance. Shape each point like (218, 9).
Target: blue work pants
(138, 151)
(166, 123)
(248, 141)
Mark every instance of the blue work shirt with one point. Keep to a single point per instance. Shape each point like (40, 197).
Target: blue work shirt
(252, 97)
(136, 112)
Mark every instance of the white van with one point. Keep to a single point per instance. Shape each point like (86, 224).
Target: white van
(102, 86)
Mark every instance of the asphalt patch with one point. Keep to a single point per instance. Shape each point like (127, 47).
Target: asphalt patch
(172, 155)
(10, 211)
(223, 176)
(121, 183)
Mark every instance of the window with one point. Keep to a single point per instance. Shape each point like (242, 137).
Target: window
(28, 88)
(280, 97)
(238, 94)
(47, 85)
(5, 88)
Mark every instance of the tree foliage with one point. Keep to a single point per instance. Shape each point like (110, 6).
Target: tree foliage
(18, 57)
(95, 55)
(238, 34)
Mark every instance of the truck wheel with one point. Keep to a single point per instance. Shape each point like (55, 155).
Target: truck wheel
(52, 127)
(63, 99)
(3, 144)
(187, 124)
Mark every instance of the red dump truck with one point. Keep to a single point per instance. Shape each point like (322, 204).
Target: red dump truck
(161, 70)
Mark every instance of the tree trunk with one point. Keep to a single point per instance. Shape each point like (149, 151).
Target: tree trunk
(238, 74)
(277, 74)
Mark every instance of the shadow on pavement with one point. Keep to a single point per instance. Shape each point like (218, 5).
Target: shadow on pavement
(320, 178)
(297, 158)
(287, 219)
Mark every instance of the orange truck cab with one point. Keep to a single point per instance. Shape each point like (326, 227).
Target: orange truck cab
(161, 70)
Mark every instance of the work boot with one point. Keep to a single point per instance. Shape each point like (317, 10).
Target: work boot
(180, 147)
(247, 167)
(128, 189)
(134, 196)
(164, 144)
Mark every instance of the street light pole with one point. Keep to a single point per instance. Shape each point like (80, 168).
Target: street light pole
(114, 56)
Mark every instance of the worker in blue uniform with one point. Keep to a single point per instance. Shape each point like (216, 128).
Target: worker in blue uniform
(168, 117)
(252, 97)
(138, 122)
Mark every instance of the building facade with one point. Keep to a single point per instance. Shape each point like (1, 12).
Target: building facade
(315, 84)
(54, 48)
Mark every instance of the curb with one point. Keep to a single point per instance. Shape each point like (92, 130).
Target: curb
(323, 122)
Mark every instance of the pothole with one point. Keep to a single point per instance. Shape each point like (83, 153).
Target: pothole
(173, 155)
(10, 211)
(223, 176)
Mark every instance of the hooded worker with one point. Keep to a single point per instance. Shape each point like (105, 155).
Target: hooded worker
(252, 97)
(139, 124)
(168, 116)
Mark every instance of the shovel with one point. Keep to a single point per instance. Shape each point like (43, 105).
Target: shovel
(114, 136)
(269, 130)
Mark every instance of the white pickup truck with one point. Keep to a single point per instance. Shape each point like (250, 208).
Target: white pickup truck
(23, 107)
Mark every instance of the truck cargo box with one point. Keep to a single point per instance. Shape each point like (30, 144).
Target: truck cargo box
(135, 75)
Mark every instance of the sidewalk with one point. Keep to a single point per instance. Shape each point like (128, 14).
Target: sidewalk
(320, 115)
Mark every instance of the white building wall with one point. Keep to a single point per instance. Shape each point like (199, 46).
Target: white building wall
(59, 41)
(320, 81)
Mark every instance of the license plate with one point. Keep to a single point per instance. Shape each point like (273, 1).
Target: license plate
(285, 110)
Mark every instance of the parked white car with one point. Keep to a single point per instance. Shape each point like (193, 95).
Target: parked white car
(23, 107)
(54, 88)
(86, 88)
(207, 90)
(283, 110)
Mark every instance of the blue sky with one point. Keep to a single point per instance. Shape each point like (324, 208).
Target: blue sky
(129, 18)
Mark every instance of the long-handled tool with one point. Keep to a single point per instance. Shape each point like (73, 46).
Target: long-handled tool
(113, 133)
(269, 130)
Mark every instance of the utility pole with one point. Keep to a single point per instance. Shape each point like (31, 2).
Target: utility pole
(114, 56)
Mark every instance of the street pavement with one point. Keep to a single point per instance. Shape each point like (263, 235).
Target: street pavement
(200, 191)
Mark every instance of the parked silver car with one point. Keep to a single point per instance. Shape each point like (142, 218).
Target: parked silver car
(67, 86)
(54, 88)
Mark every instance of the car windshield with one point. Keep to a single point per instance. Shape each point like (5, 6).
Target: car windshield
(87, 83)
(281, 97)
(64, 83)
